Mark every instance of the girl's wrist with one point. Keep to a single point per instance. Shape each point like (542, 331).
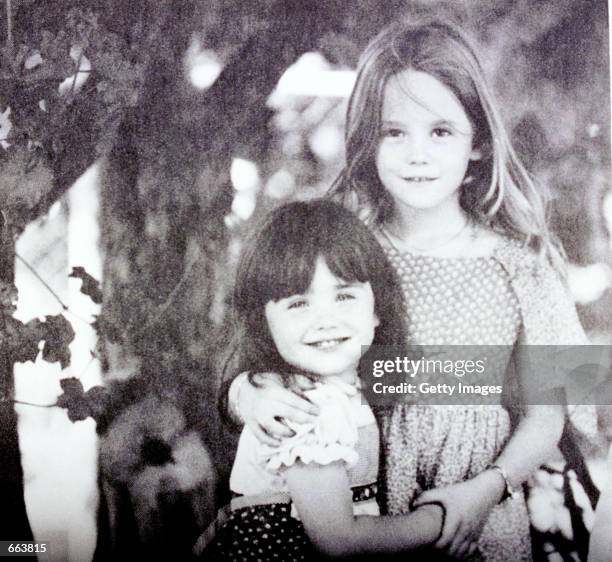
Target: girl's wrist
(496, 482)
(436, 513)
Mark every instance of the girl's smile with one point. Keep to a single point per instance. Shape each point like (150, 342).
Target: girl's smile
(419, 179)
(328, 343)
(425, 142)
(323, 330)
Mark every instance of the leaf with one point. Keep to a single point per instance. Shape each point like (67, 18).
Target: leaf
(21, 340)
(30, 337)
(90, 285)
(73, 399)
(20, 347)
(80, 405)
(58, 336)
(72, 385)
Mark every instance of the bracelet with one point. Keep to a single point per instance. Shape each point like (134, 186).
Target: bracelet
(443, 508)
(234, 396)
(509, 491)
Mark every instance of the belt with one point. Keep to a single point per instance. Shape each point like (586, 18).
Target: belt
(360, 494)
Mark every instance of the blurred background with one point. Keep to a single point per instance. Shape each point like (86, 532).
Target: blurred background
(142, 140)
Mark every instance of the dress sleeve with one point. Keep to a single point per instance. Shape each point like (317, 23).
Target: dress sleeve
(567, 331)
(549, 317)
(332, 437)
(547, 308)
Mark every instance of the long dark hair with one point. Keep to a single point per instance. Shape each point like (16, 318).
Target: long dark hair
(501, 194)
(279, 260)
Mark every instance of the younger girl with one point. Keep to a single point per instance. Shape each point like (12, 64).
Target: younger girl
(313, 290)
(432, 171)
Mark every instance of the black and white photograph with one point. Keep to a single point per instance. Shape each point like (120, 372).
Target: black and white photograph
(301, 280)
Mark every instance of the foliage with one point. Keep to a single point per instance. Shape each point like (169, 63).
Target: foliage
(44, 57)
(80, 404)
(90, 285)
(65, 86)
(22, 342)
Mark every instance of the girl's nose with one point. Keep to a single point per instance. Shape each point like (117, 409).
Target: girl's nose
(325, 319)
(416, 150)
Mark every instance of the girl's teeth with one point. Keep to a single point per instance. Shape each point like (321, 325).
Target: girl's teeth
(327, 343)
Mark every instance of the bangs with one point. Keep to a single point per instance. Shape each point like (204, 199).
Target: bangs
(290, 262)
(282, 259)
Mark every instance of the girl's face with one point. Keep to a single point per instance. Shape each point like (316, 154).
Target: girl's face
(323, 330)
(425, 142)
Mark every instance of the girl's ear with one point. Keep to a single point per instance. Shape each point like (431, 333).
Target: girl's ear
(476, 154)
(376, 320)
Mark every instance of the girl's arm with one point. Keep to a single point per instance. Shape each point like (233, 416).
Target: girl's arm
(262, 407)
(469, 503)
(323, 499)
(533, 443)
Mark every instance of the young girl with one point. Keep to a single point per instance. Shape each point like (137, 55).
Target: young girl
(432, 171)
(313, 290)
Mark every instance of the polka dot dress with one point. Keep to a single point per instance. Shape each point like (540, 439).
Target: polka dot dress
(261, 523)
(261, 533)
(456, 301)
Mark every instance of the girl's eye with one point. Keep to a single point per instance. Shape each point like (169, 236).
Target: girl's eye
(345, 297)
(392, 133)
(300, 303)
(441, 132)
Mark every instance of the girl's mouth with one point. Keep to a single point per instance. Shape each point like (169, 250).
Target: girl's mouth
(328, 343)
(419, 179)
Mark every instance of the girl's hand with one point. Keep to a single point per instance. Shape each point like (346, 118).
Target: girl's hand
(264, 408)
(468, 505)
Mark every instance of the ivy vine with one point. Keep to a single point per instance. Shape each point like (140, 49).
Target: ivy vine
(22, 342)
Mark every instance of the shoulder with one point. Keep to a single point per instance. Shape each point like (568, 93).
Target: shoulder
(547, 308)
(529, 269)
(521, 261)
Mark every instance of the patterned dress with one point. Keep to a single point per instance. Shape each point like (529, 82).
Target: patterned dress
(456, 301)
